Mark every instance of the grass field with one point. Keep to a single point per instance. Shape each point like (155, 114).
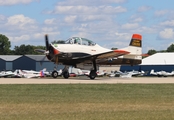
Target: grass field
(87, 102)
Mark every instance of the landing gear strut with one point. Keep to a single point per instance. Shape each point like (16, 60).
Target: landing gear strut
(65, 72)
(93, 73)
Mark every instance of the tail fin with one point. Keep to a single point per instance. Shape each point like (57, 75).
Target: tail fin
(152, 71)
(136, 40)
(135, 49)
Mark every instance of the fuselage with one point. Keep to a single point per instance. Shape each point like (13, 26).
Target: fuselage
(80, 47)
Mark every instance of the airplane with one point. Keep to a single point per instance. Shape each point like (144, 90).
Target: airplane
(161, 73)
(121, 74)
(81, 52)
(30, 73)
(42, 72)
(6, 74)
(99, 73)
(137, 73)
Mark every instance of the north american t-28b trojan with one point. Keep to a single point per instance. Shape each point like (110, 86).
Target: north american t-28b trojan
(80, 52)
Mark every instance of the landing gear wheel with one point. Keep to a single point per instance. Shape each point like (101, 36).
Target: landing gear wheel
(54, 74)
(66, 74)
(92, 74)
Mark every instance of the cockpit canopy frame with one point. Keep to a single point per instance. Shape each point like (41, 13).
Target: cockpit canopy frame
(80, 41)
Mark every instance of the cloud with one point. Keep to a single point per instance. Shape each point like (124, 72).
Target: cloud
(169, 23)
(167, 34)
(161, 13)
(70, 19)
(2, 20)
(137, 18)
(90, 2)
(144, 8)
(130, 26)
(21, 38)
(87, 10)
(20, 22)
(51, 21)
(14, 2)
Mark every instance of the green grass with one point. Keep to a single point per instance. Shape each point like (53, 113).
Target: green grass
(87, 102)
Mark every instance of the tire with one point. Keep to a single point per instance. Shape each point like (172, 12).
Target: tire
(54, 74)
(66, 74)
(92, 74)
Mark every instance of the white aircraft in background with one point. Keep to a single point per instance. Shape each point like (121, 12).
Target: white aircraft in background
(80, 52)
(6, 74)
(137, 73)
(99, 73)
(126, 74)
(120, 74)
(41, 72)
(30, 73)
(161, 73)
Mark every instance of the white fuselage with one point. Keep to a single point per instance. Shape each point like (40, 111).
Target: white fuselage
(76, 48)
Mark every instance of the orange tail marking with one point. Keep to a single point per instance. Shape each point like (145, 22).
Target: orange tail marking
(136, 40)
(137, 36)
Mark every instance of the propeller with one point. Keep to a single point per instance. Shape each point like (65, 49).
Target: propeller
(50, 51)
(47, 47)
(47, 42)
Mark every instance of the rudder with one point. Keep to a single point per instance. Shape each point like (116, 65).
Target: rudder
(136, 40)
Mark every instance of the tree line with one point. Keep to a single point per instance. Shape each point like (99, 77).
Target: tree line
(23, 49)
(169, 49)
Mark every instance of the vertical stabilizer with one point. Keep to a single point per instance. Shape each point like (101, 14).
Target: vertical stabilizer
(136, 40)
(135, 49)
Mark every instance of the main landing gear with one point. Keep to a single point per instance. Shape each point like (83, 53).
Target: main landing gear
(64, 73)
(93, 73)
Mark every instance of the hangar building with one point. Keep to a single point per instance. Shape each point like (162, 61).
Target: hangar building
(6, 61)
(26, 62)
(158, 62)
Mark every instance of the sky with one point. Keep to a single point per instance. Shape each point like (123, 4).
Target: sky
(109, 23)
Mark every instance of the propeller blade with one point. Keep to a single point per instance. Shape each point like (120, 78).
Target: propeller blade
(40, 51)
(46, 42)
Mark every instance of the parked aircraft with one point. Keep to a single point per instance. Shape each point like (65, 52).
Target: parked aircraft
(99, 73)
(30, 73)
(6, 74)
(79, 52)
(161, 73)
(126, 74)
(120, 74)
(41, 72)
(137, 73)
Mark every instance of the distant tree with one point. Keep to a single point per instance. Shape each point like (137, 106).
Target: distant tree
(58, 42)
(161, 51)
(12, 52)
(114, 48)
(151, 52)
(4, 45)
(170, 48)
(24, 49)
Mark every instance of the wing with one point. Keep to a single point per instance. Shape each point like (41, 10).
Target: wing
(114, 53)
(106, 55)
